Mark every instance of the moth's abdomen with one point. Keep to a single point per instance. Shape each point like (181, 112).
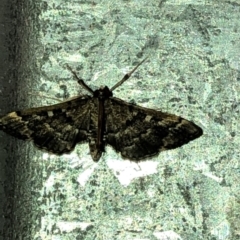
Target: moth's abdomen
(95, 150)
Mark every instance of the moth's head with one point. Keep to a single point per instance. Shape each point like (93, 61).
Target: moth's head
(103, 93)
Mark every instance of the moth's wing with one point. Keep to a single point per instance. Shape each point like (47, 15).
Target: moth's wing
(139, 133)
(56, 128)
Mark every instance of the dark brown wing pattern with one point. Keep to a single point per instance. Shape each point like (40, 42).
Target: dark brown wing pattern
(56, 129)
(139, 133)
(136, 132)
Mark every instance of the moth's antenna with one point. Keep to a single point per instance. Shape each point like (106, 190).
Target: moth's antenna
(80, 81)
(127, 76)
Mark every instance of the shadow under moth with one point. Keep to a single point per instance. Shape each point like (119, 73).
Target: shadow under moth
(136, 132)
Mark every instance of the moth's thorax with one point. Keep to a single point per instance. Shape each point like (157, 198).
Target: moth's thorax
(103, 93)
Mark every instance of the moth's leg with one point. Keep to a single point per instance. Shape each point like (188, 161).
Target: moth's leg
(127, 76)
(80, 81)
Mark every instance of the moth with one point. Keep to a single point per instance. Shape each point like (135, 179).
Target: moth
(136, 132)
